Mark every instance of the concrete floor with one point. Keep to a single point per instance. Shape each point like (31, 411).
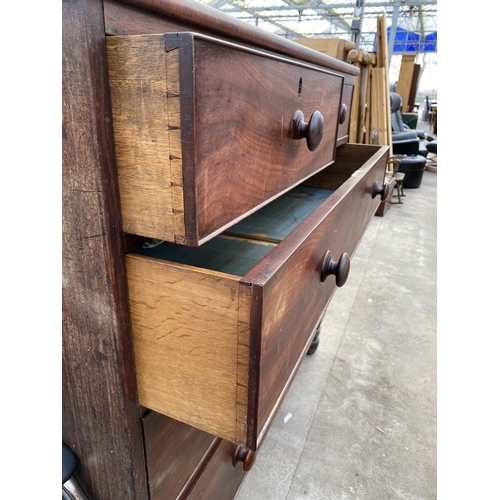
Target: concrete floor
(359, 420)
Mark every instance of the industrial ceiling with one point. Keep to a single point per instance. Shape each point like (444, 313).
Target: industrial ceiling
(355, 20)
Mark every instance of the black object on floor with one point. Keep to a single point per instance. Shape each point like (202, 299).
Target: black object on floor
(413, 167)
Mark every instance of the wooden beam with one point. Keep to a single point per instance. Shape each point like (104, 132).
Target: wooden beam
(363, 85)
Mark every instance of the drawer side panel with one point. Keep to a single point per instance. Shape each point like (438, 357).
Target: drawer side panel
(144, 83)
(185, 332)
(243, 363)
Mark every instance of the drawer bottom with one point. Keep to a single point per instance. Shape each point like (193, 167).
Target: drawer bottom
(243, 246)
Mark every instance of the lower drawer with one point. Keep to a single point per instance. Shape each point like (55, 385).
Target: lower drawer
(175, 454)
(220, 330)
(186, 463)
(222, 477)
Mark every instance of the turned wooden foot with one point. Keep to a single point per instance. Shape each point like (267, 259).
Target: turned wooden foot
(315, 342)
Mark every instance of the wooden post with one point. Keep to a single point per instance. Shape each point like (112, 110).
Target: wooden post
(383, 63)
(343, 48)
(358, 57)
(370, 60)
(354, 123)
(347, 47)
(379, 105)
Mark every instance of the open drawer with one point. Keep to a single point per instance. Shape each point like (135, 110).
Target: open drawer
(195, 117)
(220, 330)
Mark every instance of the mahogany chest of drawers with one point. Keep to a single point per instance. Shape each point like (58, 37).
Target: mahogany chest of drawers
(211, 206)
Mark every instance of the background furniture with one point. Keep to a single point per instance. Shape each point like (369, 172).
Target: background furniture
(129, 450)
(386, 204)
(431, 163)
(410, 119)
(413, 168)
(398, 177)
(433, 117)
(404, 139)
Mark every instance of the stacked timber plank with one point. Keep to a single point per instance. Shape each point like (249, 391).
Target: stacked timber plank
(371, 113)
(333, 47)
(380, 103)
(360, 114)
(407, 82)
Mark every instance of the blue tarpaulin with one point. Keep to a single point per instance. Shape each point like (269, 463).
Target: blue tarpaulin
(408, 41)
(430, 43)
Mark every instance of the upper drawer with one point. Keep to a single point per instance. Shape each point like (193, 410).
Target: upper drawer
(220, 330)
(204, 131)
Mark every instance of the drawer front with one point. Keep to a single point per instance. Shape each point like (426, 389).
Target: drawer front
(293, 295)
(175, 454)
(221, 478)
(216, 348)
(195, 117)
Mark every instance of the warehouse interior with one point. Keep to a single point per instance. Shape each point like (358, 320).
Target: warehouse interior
(397, 396)
(360, 419)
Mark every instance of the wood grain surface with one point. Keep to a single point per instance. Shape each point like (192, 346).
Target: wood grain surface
(244, 105)
(404, 81)
(290, 280)
(187, 325)
(206, 117)
(144, 81)
(176, 454)
(218, 352)
(221, 479)
(196, 16)
(350, 158)
(100, 412)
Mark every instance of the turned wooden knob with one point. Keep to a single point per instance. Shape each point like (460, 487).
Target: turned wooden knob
(382, 191)
(311, 131)
(343, 113)
(244, 455)
(340, 269)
